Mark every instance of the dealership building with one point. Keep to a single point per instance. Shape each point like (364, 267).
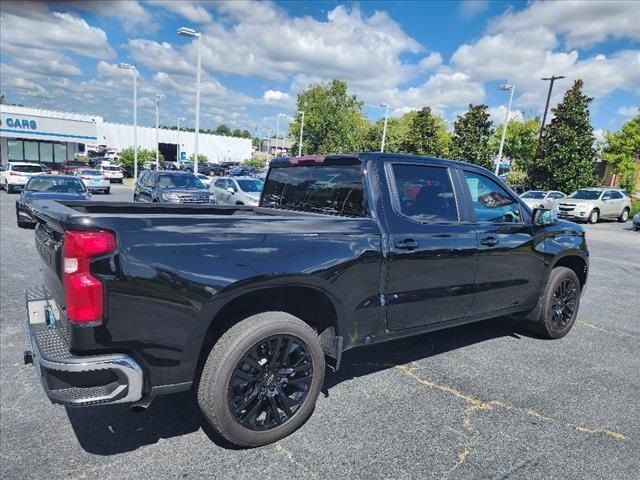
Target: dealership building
(51, 137)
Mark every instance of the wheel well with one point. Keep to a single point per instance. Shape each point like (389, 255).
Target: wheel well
(311, 306)
(577, 264)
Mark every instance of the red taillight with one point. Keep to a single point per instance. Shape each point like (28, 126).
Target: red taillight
(85, 178)
(83, 293)
(16, 173)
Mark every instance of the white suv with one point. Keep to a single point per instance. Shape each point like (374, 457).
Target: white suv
(111, 171)
(15, 175)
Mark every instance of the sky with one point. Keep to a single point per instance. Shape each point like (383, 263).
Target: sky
(256, 57)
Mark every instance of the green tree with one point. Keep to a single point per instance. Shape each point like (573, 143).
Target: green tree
(567, 150)
(519, 146)
(471, 134)
(256, 162)
(126, 157)
(427, 134)
(622, 151)
(333, 120)
(202, 158)
(222, 129)
(396, 131)
(237, 133)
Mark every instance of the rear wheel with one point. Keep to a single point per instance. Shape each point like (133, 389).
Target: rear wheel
(560, 304)
(594, 216)
(261, 379)
(624, 216)
(107, 191)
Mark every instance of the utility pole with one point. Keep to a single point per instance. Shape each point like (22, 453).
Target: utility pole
(551, 79)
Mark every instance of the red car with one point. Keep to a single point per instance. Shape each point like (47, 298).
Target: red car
(68, 166)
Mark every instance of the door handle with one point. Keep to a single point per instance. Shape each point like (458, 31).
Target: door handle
(489, 241)
(407, 244)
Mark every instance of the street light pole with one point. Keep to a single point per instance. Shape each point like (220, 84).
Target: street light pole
(190, 32)
(126, 66)
(269, 144)
(277, 133)
(159, 97)
(506, 124)
(277, 128)
(179, 149)
(552, 80)
(301, 130)
(384, 129)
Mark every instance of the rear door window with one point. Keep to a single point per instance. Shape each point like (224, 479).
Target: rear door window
(424, 193)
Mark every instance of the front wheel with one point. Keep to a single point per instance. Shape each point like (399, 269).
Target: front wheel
(624, 216)
(594, 216)
(261, 379)
(107, 191)
(560, 304)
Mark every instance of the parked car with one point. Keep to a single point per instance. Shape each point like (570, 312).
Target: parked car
(47, 187)
(111, 172)
(15, 175)
(93, 179)
(592, 204)
(171, 187)
(542, 199)
(636, 222)
(519, 189)
(248, 302)
(237, 190)
(243, 171)
(209, 169)
(206, 181)
(68, 166)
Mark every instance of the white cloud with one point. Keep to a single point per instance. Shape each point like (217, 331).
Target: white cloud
(186, 9)
(53, 31)
(629, 111)
(469, 9)
(130, 13)
(276, 97)
(162, 57)
(497, 114)
(431, 61)
(581, 23)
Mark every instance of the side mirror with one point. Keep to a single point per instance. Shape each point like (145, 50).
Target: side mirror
(231, 190)
(543, 216)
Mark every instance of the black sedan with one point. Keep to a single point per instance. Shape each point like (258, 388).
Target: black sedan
(47, 187)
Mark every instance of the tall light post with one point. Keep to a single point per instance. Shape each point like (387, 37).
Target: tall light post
(552, 80)
(159, 98)
(190, 32)
(126, 66)
(268, 144)
(384, 129)
(504, 87)
(179, 118)
(301, 130)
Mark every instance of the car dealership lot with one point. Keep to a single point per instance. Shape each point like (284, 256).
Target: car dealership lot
(485, 400)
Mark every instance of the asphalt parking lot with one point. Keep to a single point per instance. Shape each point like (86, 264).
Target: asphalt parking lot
(479, 401)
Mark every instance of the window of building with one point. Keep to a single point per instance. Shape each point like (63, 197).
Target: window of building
(425, 193)
(46, 152)
(492, 203)
(15, 150)
(31, 151)
(59, 152)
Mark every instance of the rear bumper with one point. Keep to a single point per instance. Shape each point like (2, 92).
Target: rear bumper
(75, 380)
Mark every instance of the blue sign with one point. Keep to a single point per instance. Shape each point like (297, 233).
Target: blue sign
(21, 123)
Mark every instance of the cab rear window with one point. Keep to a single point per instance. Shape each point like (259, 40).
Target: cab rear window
(332, 189)
(27, 168)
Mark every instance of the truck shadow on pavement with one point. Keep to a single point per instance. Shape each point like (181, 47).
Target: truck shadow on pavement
(109, 430)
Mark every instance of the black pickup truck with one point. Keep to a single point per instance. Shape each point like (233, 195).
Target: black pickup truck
(246, 304)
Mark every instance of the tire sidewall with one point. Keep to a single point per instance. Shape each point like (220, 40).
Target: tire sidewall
(625, 215)
(218, 389)
(557, 276)
(593, 213)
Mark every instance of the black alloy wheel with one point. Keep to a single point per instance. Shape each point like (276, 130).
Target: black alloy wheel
(271, 382)
(564, 303)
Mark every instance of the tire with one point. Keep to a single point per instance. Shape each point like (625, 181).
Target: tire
(219, 381)
(594, 216)
(107, 191)
(551, 323)
(239, 204)
(624, 216)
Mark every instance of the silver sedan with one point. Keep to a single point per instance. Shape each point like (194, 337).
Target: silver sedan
(542, 198)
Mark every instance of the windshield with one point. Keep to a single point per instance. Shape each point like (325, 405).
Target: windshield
(53, 184)
(537, 195)
(586, 194)
(251, 186)
(186, 181)
(90, 173)
(27, 168)
(331, 188)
